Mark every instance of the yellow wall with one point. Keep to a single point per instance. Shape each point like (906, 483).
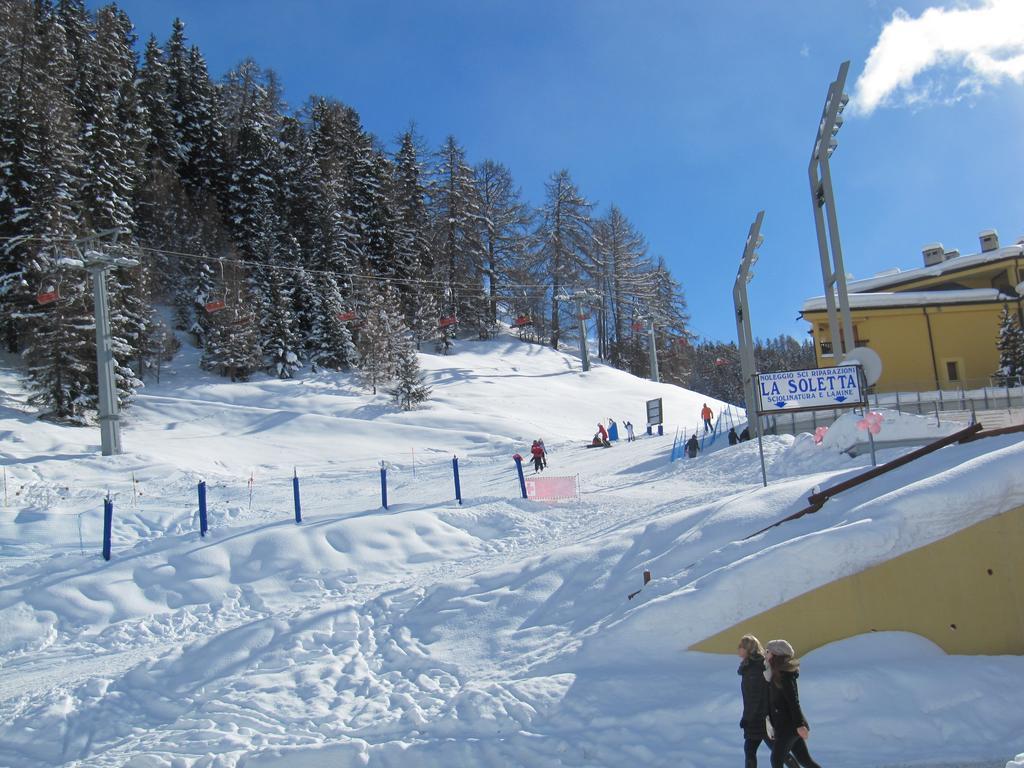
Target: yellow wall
(965, 593)
(963, 332)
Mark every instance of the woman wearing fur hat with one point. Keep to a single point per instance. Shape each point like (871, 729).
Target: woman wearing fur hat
(754, 688)
(788, 721)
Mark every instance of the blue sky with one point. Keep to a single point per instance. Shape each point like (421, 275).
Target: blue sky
(690, 116)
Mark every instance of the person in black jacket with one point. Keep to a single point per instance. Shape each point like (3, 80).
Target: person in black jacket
(692, 447)
(788, 721)
(754, 688)
(733, 437)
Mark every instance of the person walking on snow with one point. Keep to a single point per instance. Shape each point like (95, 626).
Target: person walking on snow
(692, 447)
(706, 414)
(630, 437)
(543, 452)
(788, 722)
(538, 456)
(733, 437)
(754, 689)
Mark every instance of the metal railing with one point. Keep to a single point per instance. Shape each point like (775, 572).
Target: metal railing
(961, 405)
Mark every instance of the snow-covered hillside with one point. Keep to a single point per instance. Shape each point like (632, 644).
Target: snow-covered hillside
(494, 633)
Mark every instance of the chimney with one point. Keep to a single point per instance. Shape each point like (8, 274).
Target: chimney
(951, 254)
(933, 254)
(989, 239)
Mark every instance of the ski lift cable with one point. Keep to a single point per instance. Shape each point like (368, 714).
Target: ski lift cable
(523, 290)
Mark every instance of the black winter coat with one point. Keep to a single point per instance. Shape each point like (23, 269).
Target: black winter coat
(784, 704)
(755, 697)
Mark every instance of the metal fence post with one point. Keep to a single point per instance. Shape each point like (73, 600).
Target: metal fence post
(938, 423)
(898, 410)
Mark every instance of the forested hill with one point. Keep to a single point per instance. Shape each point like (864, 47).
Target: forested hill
(283, 234)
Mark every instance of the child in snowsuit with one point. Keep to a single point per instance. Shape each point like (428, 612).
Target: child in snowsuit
(733, 437)
(692, 447)
(538, 456)
(630, 437)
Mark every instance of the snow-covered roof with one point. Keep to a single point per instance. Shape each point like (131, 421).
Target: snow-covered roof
(897, 277)
(913, 298)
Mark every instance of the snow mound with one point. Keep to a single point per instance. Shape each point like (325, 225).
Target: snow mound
(896, 427)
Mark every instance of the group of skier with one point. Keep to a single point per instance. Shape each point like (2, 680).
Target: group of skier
(771, 704)
(603, 438)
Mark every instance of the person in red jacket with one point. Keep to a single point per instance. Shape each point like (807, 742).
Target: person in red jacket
(538, 456)
(603, 433)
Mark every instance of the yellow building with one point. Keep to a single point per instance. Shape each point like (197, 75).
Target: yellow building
(934, 327)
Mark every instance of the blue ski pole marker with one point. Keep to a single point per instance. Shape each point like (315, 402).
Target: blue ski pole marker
(203, 528)
(519, 468)
(458, 487)
(108, 523)
(295, 493)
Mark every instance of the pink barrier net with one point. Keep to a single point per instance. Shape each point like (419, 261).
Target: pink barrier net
(552, 488)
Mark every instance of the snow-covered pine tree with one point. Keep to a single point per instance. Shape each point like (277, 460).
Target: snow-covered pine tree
(563, 235)
(1010, 344)
(158, 121)
(60, 352)
(368, 216)
(232, 345)
(177, 93)
(456, 243)
(280, 346)
(201, 133)
(331, 343)
(110, 169)
(60, 349)
(412, 268)
(622, 268)
(19, 136)
(381, 334)
(409, 389)
(506, 220)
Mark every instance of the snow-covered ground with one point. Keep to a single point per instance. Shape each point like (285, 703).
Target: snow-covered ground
(493, 633)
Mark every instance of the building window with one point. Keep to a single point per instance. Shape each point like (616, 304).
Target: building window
(826, 349)
(952, 371)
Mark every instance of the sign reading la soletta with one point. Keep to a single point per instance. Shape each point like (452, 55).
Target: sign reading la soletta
(811, 389)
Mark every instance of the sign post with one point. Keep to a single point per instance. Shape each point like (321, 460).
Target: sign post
(655, 415)
(808, 390)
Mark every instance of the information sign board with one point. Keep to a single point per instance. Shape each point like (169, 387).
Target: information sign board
(813, 389)
(654, 414)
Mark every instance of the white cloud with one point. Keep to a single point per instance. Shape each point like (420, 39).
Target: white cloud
(943, 55)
